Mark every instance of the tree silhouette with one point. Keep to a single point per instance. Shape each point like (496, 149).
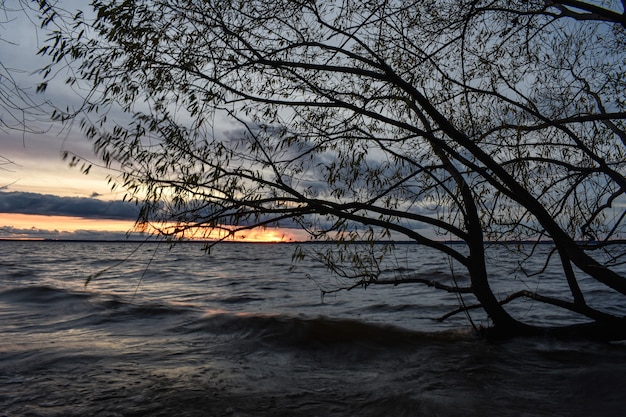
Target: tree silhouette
(485, 121)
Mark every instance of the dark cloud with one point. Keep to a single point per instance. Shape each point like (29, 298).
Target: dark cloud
(51, 205)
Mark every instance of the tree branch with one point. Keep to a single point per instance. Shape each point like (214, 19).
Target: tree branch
(593, 12)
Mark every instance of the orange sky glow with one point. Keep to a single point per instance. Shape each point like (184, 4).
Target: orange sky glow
(69, 225)
(63, 223)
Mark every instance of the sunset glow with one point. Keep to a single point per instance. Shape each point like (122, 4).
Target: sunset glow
(63, 223)
(35, 227)
(267, 235)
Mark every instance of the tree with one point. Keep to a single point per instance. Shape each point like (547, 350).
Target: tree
(485, 121)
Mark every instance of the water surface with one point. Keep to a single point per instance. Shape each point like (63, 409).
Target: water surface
(164, 332)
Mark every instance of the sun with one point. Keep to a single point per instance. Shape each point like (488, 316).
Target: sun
(256, 235)
(265, 235)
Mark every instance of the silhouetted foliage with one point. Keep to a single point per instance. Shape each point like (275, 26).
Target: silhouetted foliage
(485, 121)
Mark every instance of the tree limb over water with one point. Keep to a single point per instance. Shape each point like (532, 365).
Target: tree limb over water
(481, 120)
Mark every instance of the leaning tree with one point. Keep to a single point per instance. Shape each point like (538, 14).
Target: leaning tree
(481, 120)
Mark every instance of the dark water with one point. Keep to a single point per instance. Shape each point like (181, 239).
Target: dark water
(237, 333)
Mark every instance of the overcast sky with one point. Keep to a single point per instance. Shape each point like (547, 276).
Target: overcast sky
(37, 187)
(34, 179)
(36, 157)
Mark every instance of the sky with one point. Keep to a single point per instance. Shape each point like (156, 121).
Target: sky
(41, 197)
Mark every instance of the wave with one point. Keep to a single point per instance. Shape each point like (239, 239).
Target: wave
(20, 273)
(120, 310)
(317, 331)
(65, 307)
(388, 308)
(41, 294)
(239, 299)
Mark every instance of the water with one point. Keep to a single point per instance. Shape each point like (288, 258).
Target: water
(176, 332)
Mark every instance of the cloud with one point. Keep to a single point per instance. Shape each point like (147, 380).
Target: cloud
(51, 205)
